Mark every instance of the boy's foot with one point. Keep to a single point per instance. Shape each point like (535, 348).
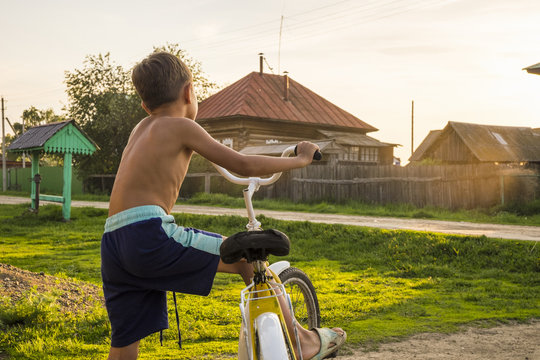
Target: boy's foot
(330, 342)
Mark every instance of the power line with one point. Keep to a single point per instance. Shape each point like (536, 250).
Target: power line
(307, 31)
(272, 31)
(314, 27)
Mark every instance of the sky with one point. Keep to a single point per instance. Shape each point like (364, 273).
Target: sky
(458, 60)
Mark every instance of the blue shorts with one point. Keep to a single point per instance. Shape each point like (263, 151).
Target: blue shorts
(143, 255)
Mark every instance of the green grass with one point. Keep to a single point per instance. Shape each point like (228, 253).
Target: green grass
(377, 284)
(512, 214)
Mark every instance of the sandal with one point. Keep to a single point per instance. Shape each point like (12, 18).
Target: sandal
(329, 336)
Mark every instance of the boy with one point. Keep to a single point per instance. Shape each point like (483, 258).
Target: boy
(144, 253)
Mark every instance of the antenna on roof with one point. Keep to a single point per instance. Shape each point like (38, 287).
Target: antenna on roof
(280, 31)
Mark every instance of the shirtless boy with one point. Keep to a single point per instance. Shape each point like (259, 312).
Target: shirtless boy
(144, 253)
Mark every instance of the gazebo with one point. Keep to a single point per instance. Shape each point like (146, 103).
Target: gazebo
(63, 137)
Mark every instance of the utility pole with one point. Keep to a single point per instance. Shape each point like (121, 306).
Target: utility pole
(412, 128)
(24, 152)
(4, 172)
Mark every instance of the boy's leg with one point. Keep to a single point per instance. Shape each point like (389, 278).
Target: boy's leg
(309, 339)
(310, 342)
(129, 352)
(243, 268)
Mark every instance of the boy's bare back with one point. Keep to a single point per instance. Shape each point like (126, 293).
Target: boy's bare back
(153, 166)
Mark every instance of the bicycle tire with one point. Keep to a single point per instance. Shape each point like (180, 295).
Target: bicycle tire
(303, 297)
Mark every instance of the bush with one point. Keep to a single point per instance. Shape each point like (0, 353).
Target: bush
(528, 209)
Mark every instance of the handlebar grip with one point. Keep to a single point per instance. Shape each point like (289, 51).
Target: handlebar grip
(316, 156)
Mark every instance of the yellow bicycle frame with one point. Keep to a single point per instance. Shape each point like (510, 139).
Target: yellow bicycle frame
(262, 298)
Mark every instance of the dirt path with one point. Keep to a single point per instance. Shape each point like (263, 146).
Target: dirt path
(506, 342)
(515, 232)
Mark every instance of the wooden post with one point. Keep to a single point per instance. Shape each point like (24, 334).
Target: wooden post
(412, 128)
(35, 171)
(207, 183)
(66, 191)
(502, 189)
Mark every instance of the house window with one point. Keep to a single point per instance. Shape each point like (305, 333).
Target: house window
(350, 153)
(369, 154)
(227, 142)
(499, 138)
(353, 153)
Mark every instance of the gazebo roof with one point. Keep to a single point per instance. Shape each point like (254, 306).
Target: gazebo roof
(58, 137)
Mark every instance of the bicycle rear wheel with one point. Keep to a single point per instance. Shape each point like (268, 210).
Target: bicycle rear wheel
(303, 297)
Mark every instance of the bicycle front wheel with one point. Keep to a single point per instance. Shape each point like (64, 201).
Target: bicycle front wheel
(303, 297)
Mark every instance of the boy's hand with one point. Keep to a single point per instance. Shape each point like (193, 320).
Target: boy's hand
(306, 150)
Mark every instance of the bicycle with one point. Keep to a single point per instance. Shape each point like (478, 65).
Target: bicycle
(264, 333)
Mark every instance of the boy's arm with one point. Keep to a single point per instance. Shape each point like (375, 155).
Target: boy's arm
(197, 139)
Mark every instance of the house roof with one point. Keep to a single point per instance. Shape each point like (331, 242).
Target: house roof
(277, 149)
(491, 142)
(58, 137)
(352, 139)
(533, 69)
(426, 143)
(262, 96)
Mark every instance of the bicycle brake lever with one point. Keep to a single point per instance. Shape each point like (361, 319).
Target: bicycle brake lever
(316, 156)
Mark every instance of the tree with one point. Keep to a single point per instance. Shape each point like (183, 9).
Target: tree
(34, 117)
(203, 86)
(104, 103)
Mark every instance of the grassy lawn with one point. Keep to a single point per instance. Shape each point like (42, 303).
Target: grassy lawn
(377, 284)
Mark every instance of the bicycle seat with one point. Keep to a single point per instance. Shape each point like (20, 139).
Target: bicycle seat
(254, 245)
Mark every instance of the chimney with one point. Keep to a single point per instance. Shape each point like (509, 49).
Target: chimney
(261, 58)
(286, 85)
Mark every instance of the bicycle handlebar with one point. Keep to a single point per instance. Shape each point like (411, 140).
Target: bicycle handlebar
(246, 181)
(267, 181)
(254, 183)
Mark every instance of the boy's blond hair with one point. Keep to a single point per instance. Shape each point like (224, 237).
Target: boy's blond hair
(159, 79)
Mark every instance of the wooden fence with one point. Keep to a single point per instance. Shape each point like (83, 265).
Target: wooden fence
(446, 186)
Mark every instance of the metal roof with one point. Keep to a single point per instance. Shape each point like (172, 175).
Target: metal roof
(533, 69)
(58, 137)
(262, 96)
(490, 142)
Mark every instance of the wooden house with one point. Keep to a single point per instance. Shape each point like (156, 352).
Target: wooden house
(465, 143)
(533, 69)
(264, 113)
